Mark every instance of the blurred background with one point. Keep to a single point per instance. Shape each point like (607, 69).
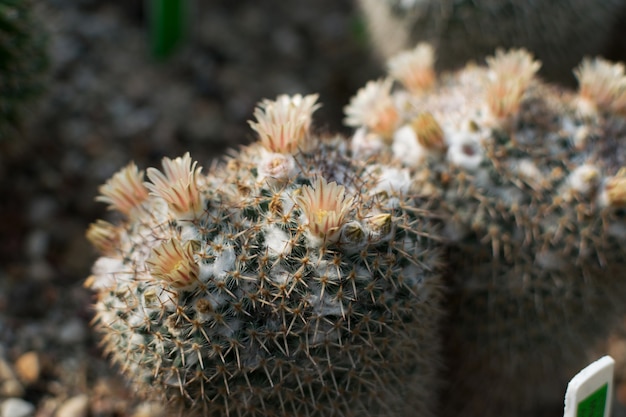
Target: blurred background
(107, 98)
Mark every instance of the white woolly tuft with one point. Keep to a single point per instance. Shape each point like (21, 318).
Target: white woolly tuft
(406, 147)
(224, 262)
(465, 151)
(365, 144)
(277, 241)
(393, 181)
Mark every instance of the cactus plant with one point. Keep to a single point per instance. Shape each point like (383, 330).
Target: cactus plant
(529, 183)
(23, 59)
(291, 279)
(559, 32)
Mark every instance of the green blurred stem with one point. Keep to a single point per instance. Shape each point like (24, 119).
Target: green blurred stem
(168, 21)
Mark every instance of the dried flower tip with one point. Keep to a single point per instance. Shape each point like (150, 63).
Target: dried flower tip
(415, 68)
(373, 108)
(177, 185)
(174, 263)
(380, 225)
(324, 205)
(602, 86)
(125, 190)
(510, 74)
(352, 234)
(103, 236)
(283, 124)
(429, 133)
(614, 192)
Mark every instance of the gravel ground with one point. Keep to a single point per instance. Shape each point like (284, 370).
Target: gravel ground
(108, 102)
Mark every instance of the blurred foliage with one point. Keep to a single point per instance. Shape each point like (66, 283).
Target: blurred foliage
(168, 26)
(23, 60)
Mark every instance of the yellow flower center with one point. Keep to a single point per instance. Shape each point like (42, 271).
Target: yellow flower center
(320, 215)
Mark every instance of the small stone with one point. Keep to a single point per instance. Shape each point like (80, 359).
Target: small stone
(37, 244)
(11, 388)
(42, 209)
(77, 406)
(28, 367)
(16, 407)
(9, 385)
(73, 332)
(40, 270)
(149, 409)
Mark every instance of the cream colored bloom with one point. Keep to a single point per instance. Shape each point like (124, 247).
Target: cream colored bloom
(125, 190)
(373, 108)
(602, 86)
(177, 185)
(324, 206)
(415, 68)
(283, 125)
(174, 263)
(104, 236)
(429, 132)
(275, 167)
(510, 74)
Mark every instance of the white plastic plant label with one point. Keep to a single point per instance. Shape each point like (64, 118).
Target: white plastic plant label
(590, 392)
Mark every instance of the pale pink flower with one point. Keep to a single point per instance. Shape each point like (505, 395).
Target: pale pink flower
(373, 108)
(283, 125)
(324, 205)
(602, 86)
(174, 263)
(125, 190)
(177, 185)
(510, 73)
(415, 68)
(104, 236)
(276, 167)
(429, 132)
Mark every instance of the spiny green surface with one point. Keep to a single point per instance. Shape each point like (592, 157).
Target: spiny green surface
(279, 324)
(532, 210)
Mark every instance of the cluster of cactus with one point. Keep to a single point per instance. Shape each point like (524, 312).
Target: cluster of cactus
(303, 275)
(289, 280)
(23, 60)
(559, 32)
